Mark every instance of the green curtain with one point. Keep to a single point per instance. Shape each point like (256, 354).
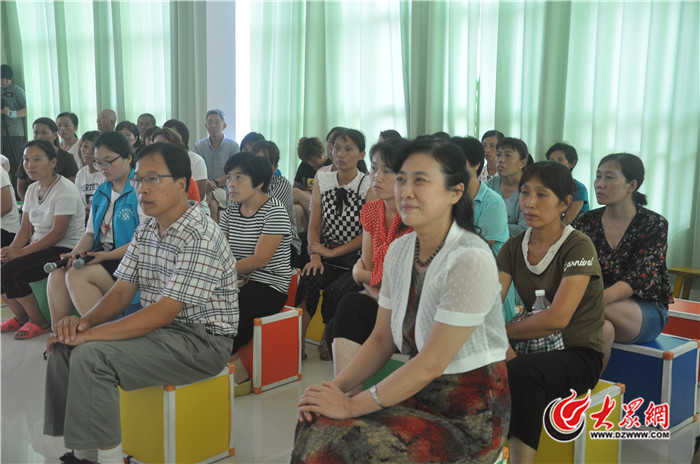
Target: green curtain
(604, 76)
(133, 57)
(187, 88)
(315, 65)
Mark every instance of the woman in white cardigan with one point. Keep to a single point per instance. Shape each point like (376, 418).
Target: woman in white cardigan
(439, 303)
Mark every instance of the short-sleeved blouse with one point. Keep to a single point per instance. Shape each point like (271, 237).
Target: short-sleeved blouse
(640, 257)
(372, 219)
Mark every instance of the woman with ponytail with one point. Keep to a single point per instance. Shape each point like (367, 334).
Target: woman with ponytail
(631, 242)
(439, 303)
(46, 129)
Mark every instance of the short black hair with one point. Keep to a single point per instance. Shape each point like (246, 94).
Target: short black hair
(493, 133)
(332, 132)
(52, 126)
(252, 138)
(257, 167)
(473, 151)
(181, 128)
(568, 150)
(269, 148)
(128, 125)
(442, 136)
(175, 157)
(148, 115)
(47, 122)
(514, 144)
(72, 116)
(6, 71)
(388, 150)
(45, 146)
(116, 142)
(354, 135)
(556, 177)
(389, 134)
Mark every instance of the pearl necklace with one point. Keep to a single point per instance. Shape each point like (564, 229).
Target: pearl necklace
(430, 259)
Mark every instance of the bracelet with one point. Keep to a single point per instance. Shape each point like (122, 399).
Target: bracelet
(373, 392)
(13, 114)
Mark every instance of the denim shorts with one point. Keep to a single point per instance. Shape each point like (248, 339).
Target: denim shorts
(654, 319)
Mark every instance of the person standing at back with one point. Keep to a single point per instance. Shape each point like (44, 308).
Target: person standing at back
(14, 113)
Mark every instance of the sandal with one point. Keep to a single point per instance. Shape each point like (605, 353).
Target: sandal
(323, 352)
(30, 330)
(10, 325)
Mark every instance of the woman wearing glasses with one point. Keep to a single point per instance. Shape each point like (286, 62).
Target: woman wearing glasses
(52, 221)
(114, 216)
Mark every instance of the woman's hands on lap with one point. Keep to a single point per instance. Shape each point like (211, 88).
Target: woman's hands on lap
(9, 253)
(313, 266)
(327, 400)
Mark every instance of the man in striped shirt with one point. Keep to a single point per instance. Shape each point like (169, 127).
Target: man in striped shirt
(181, 263)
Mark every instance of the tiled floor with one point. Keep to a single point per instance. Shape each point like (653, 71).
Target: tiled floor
(264, 424)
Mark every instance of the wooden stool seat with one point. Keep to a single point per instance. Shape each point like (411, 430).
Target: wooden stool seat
(684, 280)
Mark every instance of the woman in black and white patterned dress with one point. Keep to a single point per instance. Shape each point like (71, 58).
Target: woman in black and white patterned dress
(335, 231)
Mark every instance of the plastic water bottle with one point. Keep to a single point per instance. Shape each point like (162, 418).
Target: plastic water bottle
(541, 302)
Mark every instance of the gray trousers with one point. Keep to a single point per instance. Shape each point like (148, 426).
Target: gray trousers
(82, 398)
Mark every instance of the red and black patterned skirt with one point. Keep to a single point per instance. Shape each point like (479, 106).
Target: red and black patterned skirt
(455, 418)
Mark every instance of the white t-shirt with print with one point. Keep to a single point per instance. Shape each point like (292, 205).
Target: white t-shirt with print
(87, 183)
(61, 199)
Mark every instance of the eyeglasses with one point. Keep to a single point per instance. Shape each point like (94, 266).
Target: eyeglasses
(104, 164)
(147, 180)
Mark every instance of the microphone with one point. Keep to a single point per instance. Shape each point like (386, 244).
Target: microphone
(50, 267)
(80, 262)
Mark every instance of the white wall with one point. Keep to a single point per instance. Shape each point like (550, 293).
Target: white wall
(221, 62)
